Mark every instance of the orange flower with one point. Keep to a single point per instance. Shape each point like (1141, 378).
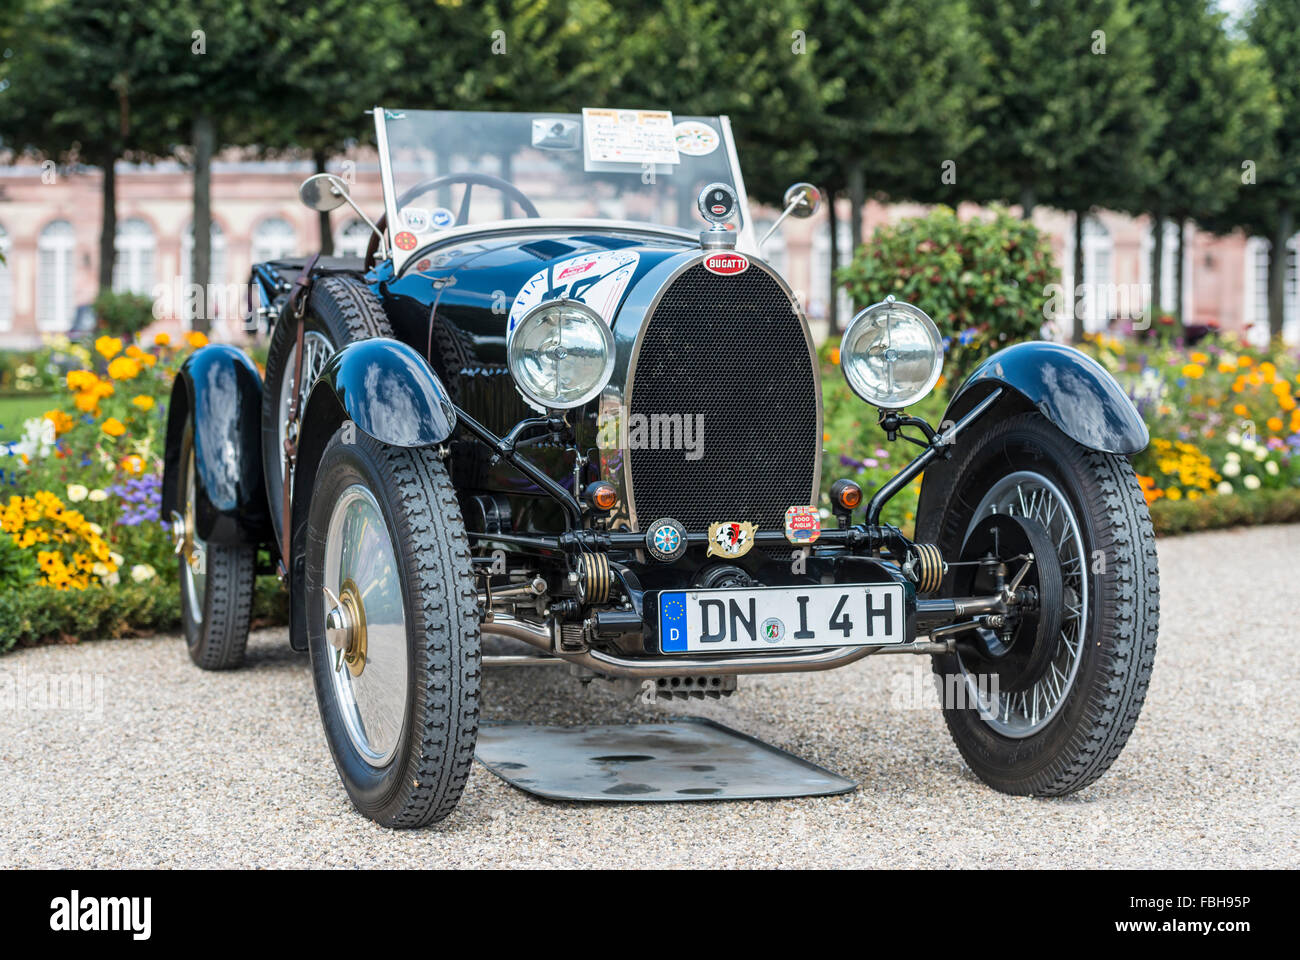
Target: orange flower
(141, 356)
(143, 401)
(113, 427)
(196, 339)
(1275, 424)
(1244, 361)
(133, 464)
(1193, 371)
(109, 347)
(62, 422)
(124, 368)
(81, 379)
(1240, 410)
(162, 340)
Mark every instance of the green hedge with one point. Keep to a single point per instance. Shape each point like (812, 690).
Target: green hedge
(1212, 513)
(43, 614)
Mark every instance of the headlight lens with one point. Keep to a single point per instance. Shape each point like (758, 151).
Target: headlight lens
(561, 354)
(891, 354)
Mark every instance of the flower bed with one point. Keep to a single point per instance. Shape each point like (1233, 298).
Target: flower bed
(83, 550)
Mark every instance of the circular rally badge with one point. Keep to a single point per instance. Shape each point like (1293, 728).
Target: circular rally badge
(404, 240)
(665, 540)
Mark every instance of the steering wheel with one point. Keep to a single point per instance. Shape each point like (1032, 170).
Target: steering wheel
(462, 217)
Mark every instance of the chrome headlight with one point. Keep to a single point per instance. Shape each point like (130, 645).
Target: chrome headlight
(891, 354)
(561, 354)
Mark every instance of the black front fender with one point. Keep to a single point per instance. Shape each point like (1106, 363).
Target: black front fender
(221, 391)
(1066, 386)
(390, 392)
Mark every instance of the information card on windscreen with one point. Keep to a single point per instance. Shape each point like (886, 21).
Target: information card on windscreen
(636, 137)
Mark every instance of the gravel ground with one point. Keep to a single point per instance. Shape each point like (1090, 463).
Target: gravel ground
(168, 766)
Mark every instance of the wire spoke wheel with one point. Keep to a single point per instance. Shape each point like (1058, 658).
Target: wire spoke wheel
(316, 351)
(370, 672)
(193, 551)
(1029, 494)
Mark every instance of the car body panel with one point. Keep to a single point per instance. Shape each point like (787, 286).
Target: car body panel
(1066, 386)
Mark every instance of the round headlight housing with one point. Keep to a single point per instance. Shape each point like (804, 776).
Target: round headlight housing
(561, 354)
(891, 354)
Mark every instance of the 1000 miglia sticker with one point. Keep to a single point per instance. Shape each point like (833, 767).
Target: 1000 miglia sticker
(595, 279)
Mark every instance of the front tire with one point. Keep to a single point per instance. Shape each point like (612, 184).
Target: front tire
(393, 629)
(1063, 727)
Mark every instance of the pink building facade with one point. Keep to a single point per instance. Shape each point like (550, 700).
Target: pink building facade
(50, 222)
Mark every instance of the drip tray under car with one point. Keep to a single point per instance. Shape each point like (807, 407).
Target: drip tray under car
(690, 758)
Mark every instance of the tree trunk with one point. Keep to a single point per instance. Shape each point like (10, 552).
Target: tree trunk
(201, 265)
(108, 226)
(832, 304)
(857, 197)
(1181, 320)
(1027, 203)
(323, 217)
(1157, 264)
(1277, 273)
(1075, 300)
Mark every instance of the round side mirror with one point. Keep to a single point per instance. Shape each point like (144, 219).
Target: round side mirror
(323, 192)
(807, 205)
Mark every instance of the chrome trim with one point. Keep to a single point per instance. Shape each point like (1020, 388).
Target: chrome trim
(746, 242)
(794, 661)
(627, 342)
(386, 180)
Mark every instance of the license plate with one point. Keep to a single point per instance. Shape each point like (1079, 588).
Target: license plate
(765, 618)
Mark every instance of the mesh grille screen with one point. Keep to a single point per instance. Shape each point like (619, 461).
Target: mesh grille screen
(732, 350)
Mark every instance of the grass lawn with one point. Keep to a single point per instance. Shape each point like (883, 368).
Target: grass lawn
(15, 409)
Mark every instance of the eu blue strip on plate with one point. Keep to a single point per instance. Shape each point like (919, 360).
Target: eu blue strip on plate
(672, 622)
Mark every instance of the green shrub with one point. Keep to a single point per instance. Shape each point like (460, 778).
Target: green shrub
(1213, 513)
(982, 280)
(123, 314)
(43, 614)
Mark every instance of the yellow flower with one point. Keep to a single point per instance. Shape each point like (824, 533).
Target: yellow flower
(143, 401)
(62, 422)
(162, 340)
(196, 339)
(1244, 361)
(141, 356)
(81, 379)
(1200, 358)
(109, 347)
(124, 368)
(1193, 370)
(1173, 493)
(113, 427)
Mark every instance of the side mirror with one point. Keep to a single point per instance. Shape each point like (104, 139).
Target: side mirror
(802, 200)
(323, 192)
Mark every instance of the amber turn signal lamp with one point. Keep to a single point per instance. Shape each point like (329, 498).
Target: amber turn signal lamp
(846, 495)
(601, 495)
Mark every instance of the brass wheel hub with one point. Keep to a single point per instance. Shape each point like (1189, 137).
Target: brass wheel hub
(345, 628)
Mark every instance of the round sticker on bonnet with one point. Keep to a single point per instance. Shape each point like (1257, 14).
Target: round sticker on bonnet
(404, 241)
(695, 139)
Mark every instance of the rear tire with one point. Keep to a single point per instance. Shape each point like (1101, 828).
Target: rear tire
(340, 311)
(216, 582)
(400, 709)
(1093, 689)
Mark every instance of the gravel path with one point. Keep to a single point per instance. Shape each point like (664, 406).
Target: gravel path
(168, 766)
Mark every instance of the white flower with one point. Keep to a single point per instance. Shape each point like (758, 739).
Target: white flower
(1233, 455)
(1271, 468)
(96, 529)
(1234, 437)
(1231, 468)
(1224, 488)
(1251, 482)
(116, 558)
(142, 572)
(97, 496)
(76, 492)
(100, 570)
(1261, 453)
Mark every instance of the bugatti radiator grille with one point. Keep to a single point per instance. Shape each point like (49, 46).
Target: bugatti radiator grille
(729, 357)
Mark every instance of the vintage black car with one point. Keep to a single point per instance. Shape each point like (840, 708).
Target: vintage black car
(563, 404)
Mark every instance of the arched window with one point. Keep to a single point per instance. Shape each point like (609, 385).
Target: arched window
(273, 239)
(352, 239)
(55, 248)
(6, 283)
(133, 271)
(216, 255)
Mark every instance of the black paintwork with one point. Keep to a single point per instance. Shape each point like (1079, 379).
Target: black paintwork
(222, 390)
(390, 393)
(1068, 387)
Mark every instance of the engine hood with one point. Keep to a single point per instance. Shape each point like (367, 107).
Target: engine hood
(480, 287)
